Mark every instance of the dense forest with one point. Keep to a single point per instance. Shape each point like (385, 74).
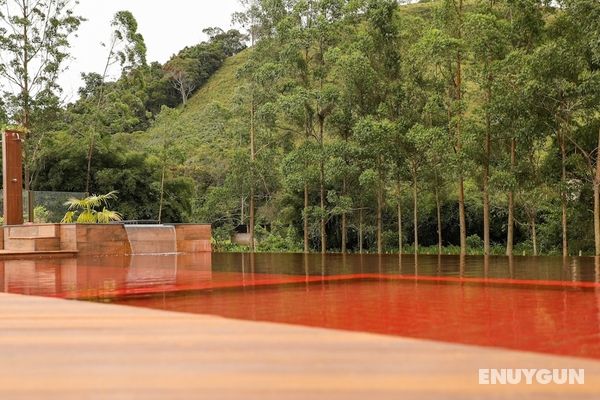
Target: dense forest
(451, 126)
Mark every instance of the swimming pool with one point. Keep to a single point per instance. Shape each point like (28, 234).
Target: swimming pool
(547, 305)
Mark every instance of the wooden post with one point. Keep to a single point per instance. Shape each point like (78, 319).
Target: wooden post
(12, 167)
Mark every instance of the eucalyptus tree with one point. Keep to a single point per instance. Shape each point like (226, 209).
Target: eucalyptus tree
(520, 130)
(34, 40)
(341, 166)
(386, 44)
(126, 49)
(415, 159)
(488, 41)
(311, 29)
(535, 193)
(555, 83)
(257, 98)
(359, 95)
(373, 136)
(443, 48)
(261, 18)
(525, 23)
(342, 171)
(581, 22)
(432, 147)
(166, 142)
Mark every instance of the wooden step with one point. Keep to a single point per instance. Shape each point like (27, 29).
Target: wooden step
(31, 231)
(32, 244)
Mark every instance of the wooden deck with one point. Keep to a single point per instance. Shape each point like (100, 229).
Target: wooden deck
(59, 349)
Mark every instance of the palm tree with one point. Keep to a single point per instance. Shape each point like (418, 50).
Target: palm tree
(85, 211)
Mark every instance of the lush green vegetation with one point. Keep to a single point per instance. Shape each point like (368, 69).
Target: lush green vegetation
(448, 126)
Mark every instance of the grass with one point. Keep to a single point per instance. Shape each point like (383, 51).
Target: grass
(203, 127)
(196, 117)
(496, 250)
(220, 87)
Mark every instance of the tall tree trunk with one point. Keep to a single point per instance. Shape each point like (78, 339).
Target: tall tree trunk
(252, 161)
(344, 221)
(461, 184)
(533, 234)
(400, 238)
(27, 176)
(461, 216)
(305, 217)
(486, 181)
(26, 113)
(379, 218)
(184, 95)
(323, 217)
(439, 219)
(344, 233)
(511, 203)
(88, 174)
(415, 211)
(344, 214)
(162, 191)
(597, 201)
(252, 221)
(242, 210)
(90, 154)
(321, 120)
(563, 151)
(360, 231)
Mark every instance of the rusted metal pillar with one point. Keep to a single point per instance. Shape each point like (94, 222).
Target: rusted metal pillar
(12, 167)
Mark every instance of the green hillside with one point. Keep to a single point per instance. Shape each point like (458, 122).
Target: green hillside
(367, 117)
(202, 128)
(219, 90)
(197, 119)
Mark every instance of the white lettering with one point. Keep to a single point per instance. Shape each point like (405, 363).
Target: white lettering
(484, 376)
(529, 373)
(543, 376)
(498, 376)
(513, 376)
(577, 376)
(559, 376)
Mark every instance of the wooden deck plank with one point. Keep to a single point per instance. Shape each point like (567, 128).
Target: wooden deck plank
(52, 348)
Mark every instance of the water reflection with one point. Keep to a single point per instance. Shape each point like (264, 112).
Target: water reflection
(103, 277)
(113, 276)
(528, 303)
(492, 267)
(486, 266)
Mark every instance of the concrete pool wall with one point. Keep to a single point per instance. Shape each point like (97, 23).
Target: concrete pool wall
(111, 239)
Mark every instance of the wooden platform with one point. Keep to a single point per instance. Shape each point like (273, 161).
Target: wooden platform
(59, 349)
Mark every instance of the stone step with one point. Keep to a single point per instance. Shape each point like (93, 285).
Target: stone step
(32, 231)
(32, 244)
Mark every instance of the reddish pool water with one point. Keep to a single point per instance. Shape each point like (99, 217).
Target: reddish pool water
(546, 305)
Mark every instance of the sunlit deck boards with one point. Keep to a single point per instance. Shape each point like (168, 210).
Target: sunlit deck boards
(53, 348)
